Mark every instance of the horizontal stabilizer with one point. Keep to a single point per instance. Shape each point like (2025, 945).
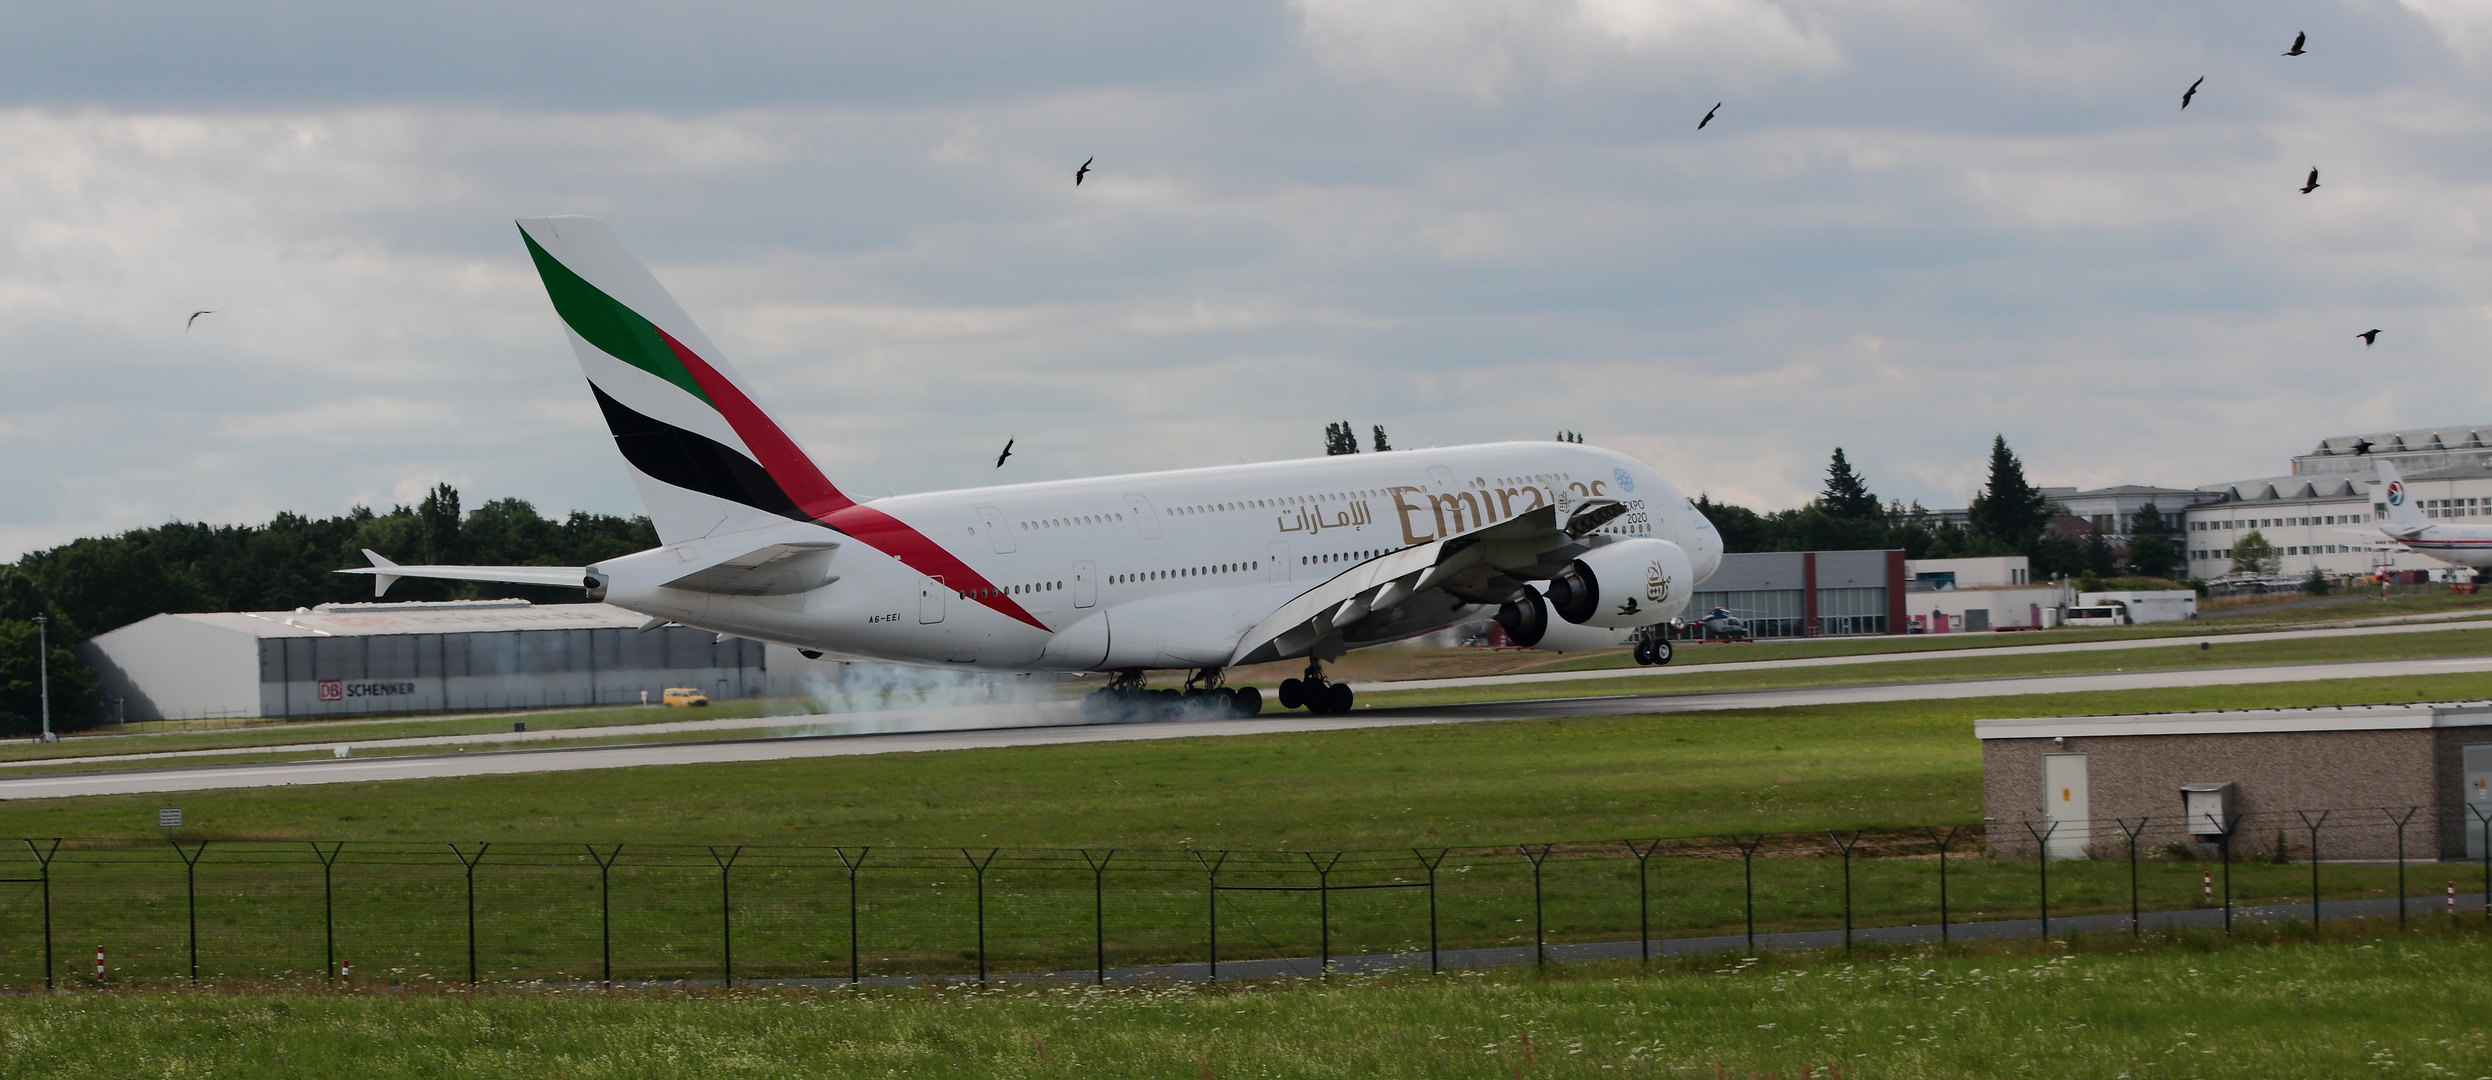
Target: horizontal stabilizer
(775, 570)
(386, 573)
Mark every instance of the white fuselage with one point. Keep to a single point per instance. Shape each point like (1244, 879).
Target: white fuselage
(1151, 570)
(2464, 545)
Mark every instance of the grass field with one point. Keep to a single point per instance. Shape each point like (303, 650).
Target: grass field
(2272, 1002)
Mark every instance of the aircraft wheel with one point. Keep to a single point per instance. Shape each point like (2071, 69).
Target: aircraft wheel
(1293, 693)
(1247, 700)
(1643, 653)
(1659, 651)
(1337, 698)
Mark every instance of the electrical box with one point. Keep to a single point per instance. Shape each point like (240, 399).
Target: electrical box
(2209, 807)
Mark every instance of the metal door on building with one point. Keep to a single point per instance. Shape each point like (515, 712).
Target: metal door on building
(1085, 584)
(2065, 805)
(930, 600)
(1976, 620)
(1276, 560)
(2478, 766)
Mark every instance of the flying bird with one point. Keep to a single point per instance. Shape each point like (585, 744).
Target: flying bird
(2298, 39)
(2191, 92)
(2369, 337)
(999, 458)
(1700, 124)
(2363, 446)
(194, 317)
(2311, 184)
(1079, 173)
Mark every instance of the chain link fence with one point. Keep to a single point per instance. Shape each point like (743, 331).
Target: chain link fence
(397, 911)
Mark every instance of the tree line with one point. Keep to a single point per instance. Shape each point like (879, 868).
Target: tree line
(90, 586)
(2009, 517)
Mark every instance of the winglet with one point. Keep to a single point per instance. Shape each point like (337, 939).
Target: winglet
(380, 582)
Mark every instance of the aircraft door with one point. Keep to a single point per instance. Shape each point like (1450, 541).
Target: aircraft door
(1138, 507)
(998, 530)
(1276, 560)
(1085, 584)
(930, 601)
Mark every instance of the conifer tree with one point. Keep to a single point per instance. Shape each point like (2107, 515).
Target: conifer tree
(2009, 510)
(1340, 439)
(1847, 494)
(1381, 445)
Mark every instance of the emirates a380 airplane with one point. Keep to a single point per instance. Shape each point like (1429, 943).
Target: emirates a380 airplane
(1195, 569)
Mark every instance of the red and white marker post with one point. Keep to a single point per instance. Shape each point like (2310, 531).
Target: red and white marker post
(2210, 885)
(2453, 898)
(99, 963)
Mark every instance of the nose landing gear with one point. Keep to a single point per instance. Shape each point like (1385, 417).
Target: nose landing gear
(1315, 693)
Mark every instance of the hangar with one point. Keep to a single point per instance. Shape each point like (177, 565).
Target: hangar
(349, 659)
(2263, 777)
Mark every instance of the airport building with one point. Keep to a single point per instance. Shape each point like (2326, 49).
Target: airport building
(1807, 593)
(351, 659)
(2325, 514)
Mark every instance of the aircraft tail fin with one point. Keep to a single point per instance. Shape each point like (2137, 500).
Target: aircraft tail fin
(708, 459)
(2402, 513)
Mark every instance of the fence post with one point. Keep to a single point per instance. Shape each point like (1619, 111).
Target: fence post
(852, 865)
(2134, 917)
(2313, 825)
(328, 900)
(1431, 864)
(980, 868)
(2399, 822)
(605, 910)
(1748, 878)
(2042, 863)
(1540, 937)
(1845, 847)
(190, 889)
(1324, 910)
(2223, 840)
(1941, 843)
(726, 911)
(1211, 907)
(470, 863)
(43, 858)
(1099, 908)
(1643, 896)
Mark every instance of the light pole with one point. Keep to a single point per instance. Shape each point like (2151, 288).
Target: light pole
(43, 667)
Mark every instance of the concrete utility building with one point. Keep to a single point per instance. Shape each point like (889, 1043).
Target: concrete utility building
(1956, 596)
(2252, 771)
(345, 659)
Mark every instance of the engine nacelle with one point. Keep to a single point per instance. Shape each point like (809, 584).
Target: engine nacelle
(1629, 583)
(1526, 620)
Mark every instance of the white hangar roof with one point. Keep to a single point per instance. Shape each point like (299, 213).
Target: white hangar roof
(445, 617)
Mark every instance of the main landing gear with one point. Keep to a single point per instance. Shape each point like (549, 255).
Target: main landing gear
(1653, 651)
(1315, 693)
(1124, 698)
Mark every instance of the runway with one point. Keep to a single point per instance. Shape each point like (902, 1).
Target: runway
(1060, 724)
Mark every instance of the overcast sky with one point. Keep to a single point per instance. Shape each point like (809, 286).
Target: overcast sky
(1914, 224)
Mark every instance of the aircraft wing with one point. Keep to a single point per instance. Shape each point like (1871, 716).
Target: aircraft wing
(386, 573)
(1483, 566)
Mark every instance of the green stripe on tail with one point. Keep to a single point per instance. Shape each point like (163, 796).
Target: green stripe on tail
(615, 329)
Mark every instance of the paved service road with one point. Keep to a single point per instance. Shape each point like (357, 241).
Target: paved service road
(1066, 727)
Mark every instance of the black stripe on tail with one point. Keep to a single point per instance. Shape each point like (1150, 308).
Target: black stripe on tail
(692, 461)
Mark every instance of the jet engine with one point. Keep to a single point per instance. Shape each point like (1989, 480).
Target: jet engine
(1526, 620)
(1635, 582)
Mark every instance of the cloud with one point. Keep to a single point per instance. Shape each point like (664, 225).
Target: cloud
(1920, 223)
(1487, 49)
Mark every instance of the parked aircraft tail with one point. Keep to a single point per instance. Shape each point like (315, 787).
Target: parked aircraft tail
(2404, 519)
(707, 457)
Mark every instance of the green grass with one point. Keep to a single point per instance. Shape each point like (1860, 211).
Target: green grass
(1770, 770)
(2272, 1002)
